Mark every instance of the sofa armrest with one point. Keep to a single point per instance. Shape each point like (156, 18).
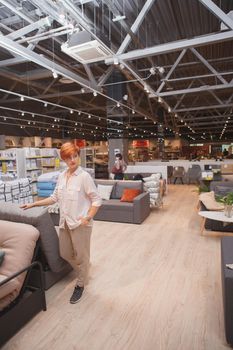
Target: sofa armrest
(141, 207)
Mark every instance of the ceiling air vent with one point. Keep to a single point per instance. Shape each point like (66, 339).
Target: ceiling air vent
(82, 47)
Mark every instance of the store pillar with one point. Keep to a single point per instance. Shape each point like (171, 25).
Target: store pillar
(116, 118)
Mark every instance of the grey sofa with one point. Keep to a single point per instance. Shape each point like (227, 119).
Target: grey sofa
(227, 286)
(117, 211)
(47, 250)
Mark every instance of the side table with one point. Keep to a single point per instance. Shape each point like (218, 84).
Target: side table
(218, 216)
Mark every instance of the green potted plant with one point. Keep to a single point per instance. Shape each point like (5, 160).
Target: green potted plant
(227, 200)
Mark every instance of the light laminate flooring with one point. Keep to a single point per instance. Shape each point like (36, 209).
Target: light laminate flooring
(155, 286)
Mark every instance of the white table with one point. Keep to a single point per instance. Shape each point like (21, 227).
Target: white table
(218, 216)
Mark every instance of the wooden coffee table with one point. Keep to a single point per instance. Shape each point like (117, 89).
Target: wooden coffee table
(218, 216)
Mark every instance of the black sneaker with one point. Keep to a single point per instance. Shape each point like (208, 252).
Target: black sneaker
(77, 293)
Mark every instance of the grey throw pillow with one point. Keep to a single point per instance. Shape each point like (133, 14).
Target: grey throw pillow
(2, 254)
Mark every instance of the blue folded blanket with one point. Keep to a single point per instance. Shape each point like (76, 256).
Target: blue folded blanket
(46, 185)
(44, 193)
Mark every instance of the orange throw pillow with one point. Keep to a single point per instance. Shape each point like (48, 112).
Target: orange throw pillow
(129, 194)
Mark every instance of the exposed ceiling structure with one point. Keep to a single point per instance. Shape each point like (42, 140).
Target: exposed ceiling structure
(175, 59)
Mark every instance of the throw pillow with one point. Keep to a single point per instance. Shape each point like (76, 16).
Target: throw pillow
(129, 194)
(104, 191)
(2, 253)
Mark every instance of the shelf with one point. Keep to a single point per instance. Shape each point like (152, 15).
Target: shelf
(34, 169)
(35, 157)
(7, 159)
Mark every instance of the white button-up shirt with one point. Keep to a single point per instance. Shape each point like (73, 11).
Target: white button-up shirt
(75, 197)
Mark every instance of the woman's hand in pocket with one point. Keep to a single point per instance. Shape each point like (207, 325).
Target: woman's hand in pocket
(85, 221)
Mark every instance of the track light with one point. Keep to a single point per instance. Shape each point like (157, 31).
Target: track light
(45, 104)
(118, 104)
(22, 98)
(71, 111)
(95, 93)
(55, 75)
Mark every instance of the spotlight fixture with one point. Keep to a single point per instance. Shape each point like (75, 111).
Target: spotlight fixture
(118, 104)
(133, 111)
(89, 116)
(95, 93)
(71, 111)
(125, 97)
(55, 75)
(45, 104)
(115, 61)
(22, 114)
(82, 90)
(22, 98)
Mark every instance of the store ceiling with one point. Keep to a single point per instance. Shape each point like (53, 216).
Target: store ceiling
(175, 57)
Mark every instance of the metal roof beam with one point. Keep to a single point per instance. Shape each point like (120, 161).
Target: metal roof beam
(202, 108)
(13, 7)
(16, 48)
(206, 63)
(146, 7)
(172, 46)
(210, 5)
(181, 55)
(198, 89)
(44, 22)
(195, 77)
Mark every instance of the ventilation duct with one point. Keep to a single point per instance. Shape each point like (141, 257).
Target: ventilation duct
(83, 48)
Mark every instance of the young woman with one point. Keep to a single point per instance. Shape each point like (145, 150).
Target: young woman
(79, 201)
(119, 167)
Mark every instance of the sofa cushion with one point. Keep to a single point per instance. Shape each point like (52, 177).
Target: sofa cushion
(129, 194)
(105, 191)
(208, 199)
(18, 242)
(122, 184)
(39, 218)
(115, 204)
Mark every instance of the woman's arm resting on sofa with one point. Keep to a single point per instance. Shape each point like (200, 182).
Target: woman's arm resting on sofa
(46, 201)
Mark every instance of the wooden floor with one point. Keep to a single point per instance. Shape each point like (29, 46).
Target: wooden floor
(154, 286)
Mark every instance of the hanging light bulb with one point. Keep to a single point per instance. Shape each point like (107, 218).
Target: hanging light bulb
(71, 111)
(45, 104)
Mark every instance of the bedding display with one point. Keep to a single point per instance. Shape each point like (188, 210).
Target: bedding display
(16, 191)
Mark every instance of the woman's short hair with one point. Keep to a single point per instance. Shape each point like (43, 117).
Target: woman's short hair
(119, 155)
(68, 149)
